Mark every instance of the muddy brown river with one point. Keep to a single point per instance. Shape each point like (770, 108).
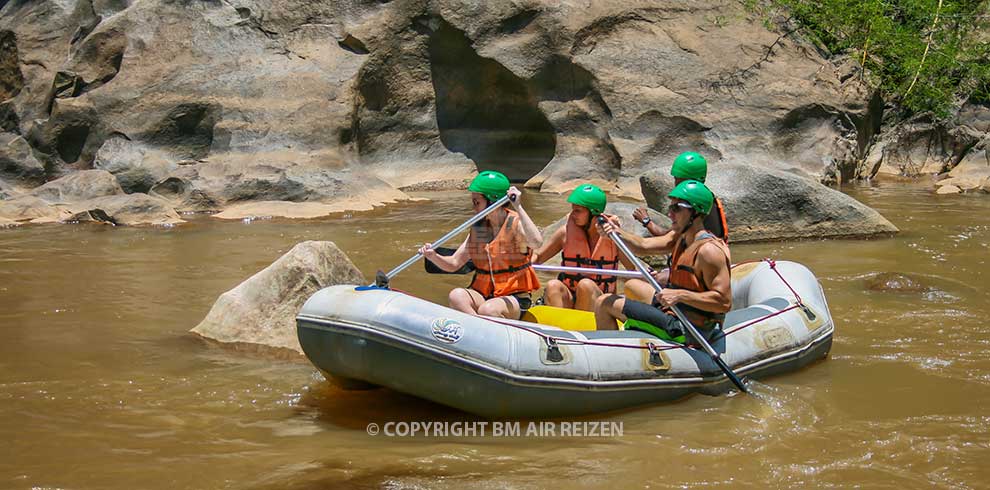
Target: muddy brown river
(102, 386)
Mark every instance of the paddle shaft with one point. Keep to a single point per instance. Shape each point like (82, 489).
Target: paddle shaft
(456, 231)
(586, 272)
(645, 274)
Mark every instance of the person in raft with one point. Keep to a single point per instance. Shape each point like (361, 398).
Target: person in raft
(687, 166)
(581, 244)
(500, 246)
(699, 280)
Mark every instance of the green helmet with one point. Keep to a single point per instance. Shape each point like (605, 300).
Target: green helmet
(491, 184)
(589, 196)
(690, 165)
(696, 194)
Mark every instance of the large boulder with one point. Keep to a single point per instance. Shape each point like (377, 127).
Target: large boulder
(79, 186)
(973, 171)
(126, 209)
(137, 167)
(30, 208)
(17, 164)
(261, 311)
(764, 204)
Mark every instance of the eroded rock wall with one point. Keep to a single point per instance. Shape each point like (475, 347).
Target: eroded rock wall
(212, 104)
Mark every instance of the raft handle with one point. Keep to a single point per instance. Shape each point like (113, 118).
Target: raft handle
(655, 359)
(553, 352)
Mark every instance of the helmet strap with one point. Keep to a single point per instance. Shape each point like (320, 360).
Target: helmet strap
(690, 223)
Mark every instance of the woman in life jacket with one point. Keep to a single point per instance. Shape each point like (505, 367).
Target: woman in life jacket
(581, 244)
(700, 282)
(500, 247)
(687, 166)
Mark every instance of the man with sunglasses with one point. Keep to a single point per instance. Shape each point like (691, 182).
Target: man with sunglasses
(687, 166)
(699, 280)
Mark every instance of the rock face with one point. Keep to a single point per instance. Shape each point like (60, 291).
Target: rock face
(261, 311)
(922, 146)
(210, 104)
(764, 204)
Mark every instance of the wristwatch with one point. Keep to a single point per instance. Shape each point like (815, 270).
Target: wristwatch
(645, 221)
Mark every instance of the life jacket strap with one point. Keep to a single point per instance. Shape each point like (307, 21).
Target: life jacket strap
(516, 268)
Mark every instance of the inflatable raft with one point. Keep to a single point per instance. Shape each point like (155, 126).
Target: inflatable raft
(499, 368)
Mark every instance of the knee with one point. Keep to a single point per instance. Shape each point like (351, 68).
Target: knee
(491, 308)
(556, 287)
(606, 302)
(601, 301)
(588, 286)
(458, 296)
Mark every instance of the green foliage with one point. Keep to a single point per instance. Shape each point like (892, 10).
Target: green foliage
(926, 55)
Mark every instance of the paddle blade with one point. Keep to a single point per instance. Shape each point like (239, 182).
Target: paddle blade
(432, 268)
(731, 375)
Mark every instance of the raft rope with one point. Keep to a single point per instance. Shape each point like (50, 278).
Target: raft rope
(549, 339)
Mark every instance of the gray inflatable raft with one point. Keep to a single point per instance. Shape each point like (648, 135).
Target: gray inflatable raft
(496, 368)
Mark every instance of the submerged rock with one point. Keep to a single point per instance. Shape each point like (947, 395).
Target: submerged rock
(261, 311)
(896, 282)
(765, 204)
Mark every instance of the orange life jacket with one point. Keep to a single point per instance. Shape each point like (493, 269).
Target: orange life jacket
(684, 276)
(500, 268)
(715, 221)
(577, 253)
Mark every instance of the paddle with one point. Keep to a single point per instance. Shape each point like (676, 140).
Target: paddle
(382, 279)
(432, 268)
(677, 311)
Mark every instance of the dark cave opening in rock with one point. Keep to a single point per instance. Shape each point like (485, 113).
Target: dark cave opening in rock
(70, 142)
(485, 111)
(187, 130)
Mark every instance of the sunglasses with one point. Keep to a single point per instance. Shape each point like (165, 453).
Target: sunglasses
(673, 208)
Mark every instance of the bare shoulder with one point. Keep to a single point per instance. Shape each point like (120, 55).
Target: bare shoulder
(712, 253)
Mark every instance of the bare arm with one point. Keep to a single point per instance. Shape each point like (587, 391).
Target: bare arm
(656, 230)
(638, 245)
(715, 271)
(551, 247)
(529, 229)
(449, 263)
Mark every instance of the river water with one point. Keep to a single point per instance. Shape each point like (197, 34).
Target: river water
(102, 386)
